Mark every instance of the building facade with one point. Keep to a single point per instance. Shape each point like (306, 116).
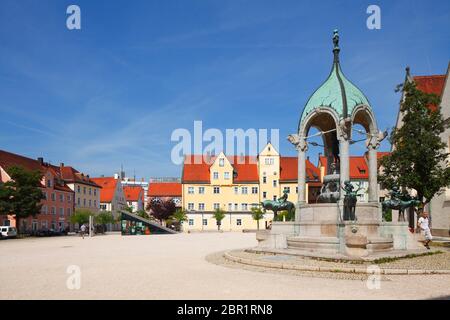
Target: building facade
(87, 192)
(165, 189)
(58, 202)
(236, 184)
(112, 197)
(439, 207)
(134, 196)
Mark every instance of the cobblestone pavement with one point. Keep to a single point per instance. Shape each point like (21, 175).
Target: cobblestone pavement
(178, 267)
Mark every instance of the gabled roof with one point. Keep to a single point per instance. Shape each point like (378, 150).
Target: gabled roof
(9, 159)
(71, 175)
(289, 170)
(196, 168)
(133, 193)
(164, 189)
(430, 84)
(108, 189)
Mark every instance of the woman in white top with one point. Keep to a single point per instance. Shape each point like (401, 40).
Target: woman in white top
(424, 225)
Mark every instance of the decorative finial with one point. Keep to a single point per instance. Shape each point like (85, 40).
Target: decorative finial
(336, 39)
(336, 48)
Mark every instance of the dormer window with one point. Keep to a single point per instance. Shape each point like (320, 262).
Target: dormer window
(221, 162)
(215, 175)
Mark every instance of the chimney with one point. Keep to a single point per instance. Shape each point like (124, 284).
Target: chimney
(61, 164)
(40, 160)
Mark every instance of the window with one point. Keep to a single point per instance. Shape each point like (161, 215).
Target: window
(236, 207)
(215, 175)
(90, 203)
(190, 206)
(95, 192)
(287, 189)
(274, 183)
(191, 222)
(264, 195)
(274, 198)
(244, 190)
(84, 202)
(84, 190)
(44, 224)
(236, 190)
(201, 190)
(45, 195)
(296, 189)
(34, 225)
(95, 203)
(103, 207)
(191, 190)
(216, 190)
(221, 162)
(53, 197)
(269, 161)
(44, 209)
(49, 182)
(226, 175)
(244, 207)
(230, 206)
(239, 222)
(69, 198)
(61, 198)
(79, 201)
(90, 191)
(61, 212)
(254, 190)
(69, 211)
(78, 189)
(205, 222)
(264, 179)
(201, 206)
(216, 206)
(53, 210)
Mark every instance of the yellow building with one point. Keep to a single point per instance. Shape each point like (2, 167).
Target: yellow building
(235, 184)
(87, 192)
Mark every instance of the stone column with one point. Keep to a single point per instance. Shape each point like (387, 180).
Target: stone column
(302, 147)
(344, 171)
(373, 172)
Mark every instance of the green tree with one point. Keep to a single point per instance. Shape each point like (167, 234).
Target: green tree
(22, 194)
(179, 217)
(142, 214)
(219, 215)
(128, 209)
(418, 160)
(257, 214)
(104, 218)
(80, 216)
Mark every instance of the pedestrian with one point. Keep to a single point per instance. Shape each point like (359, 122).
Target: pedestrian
(424, 224)
(83, 230)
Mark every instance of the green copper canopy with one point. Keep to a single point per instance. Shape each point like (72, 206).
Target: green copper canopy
(337, 92)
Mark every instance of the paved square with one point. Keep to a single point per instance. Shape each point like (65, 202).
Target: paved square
(174, 267)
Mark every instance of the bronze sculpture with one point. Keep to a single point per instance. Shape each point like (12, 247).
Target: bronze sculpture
(350, 199)
(279, 205)
(399, 201)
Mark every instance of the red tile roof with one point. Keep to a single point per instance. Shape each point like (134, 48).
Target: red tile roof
(358, 165)
(133, 193)
(9, 159)
(431, 84)
(289, 170)
(70, 174)
(358, 168)
(108, 189)
(196, 168)
(164, 189)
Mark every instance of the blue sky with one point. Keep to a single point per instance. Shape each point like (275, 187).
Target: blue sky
(113, 92)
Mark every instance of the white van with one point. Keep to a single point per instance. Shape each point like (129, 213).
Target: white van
(8, 232)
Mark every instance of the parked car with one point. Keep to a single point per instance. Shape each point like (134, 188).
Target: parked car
(8, 232)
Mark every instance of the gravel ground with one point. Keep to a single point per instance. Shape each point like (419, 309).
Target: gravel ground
(438, 261)
(174, 267)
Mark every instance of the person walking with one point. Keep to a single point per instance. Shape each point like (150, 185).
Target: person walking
(424, 224)
(83, 230)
